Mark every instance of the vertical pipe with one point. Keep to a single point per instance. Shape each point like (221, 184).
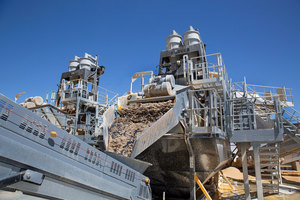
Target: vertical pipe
(210, 109)
(221, 115)
(142, 83)
(245, 87)
(131, 86)
(185, 68)
(193, 110)
(191, 161)
(245, 171)
(192, 170)
(191, 68)
(216, 110)
(259, 188)
(279, 168)
(95, 81)
(76, 116)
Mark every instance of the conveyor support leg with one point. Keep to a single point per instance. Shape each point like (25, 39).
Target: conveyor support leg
(245, 171)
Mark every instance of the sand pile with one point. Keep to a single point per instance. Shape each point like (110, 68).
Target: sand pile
(132, 122)
(236, 174)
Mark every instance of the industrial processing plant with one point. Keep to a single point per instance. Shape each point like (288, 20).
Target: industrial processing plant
(182, 130)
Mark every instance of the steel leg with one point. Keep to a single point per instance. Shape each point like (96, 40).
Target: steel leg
(245, 171)
(260, 194)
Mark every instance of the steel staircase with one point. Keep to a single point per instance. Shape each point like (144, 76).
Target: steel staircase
(257, 109)
(291, 143)
(243, 114)
(290, 129)
(291, 117)
(270, 167)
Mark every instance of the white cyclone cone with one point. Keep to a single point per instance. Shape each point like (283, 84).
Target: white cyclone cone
(173, 40)
(191, 37)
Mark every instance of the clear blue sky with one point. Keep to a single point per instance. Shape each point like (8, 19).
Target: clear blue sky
(258, 39)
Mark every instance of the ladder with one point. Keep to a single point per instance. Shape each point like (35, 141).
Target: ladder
(270, 167)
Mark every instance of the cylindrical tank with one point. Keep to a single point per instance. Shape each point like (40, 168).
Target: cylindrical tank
(73, 65)
(191, 37)
(85, 63)
(168, 78)
(153, 90)
(29, 105)
(173, 40)
(38, 101)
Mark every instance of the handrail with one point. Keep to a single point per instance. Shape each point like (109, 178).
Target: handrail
(104, 96)
(264, 86)
(199, 107)
(262, 90)
(207, 69)
(290, 115)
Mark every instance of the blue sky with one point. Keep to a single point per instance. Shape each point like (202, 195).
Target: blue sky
(258, 39)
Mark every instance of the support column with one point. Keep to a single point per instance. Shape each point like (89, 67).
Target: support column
(245, 171)
(191, 159)
(76, 115)
(192, 181)
(260, 194)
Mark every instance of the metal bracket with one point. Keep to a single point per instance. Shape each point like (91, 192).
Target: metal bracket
(33, 177)
(26, 175)
(11, 179)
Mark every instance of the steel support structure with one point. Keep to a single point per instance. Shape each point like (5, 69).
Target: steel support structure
(259, 188)
(245, 170)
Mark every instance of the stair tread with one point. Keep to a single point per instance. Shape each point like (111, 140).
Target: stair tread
(269, 148)
(269, 154)
(270, 170)
(270, 175)
(263, 166)
(270, 160)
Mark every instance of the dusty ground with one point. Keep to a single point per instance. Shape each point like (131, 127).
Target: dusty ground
(132, 122)
(235, 176)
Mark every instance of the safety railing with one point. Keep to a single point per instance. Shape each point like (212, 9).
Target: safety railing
(106, 96)
(50, 97)
(206, 115)
(264, 94)
(206, 67)
(145, 79)
(243, 112)
(263, 106)
(290, 114)
(85, 89)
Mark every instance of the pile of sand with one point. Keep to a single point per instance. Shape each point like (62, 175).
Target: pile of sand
(236, 174)
(132, 122)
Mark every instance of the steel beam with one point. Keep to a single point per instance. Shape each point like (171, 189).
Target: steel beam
(245, 171)
(11, 179)
(260, 194)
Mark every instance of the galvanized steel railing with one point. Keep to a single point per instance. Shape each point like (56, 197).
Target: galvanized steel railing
(81, 88)
(201, 115)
